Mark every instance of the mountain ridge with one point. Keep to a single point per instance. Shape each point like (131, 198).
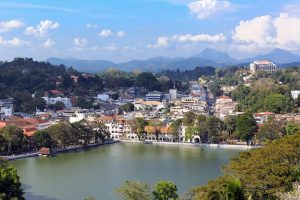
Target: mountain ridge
(207, 57)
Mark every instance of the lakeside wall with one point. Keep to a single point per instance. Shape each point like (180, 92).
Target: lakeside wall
(219, 146)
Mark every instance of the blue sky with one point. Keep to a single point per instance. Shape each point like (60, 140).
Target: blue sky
(120, 30)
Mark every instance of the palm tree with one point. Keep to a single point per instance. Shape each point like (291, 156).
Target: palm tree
(231, 189)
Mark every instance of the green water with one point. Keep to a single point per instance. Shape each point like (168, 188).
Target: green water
(97, 172)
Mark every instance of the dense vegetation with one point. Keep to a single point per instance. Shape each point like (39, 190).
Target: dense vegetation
(10, 185)
(263, 173)
(12, 139)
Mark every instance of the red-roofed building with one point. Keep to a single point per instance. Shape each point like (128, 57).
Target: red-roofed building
(261, 117)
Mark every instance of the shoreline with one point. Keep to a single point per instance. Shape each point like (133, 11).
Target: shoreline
(218, 146)
(58, 151)
(79, 147)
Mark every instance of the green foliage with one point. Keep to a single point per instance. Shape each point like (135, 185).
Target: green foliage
(277, 103)
(148, 81)
(128, 107)
(193, 74)
(83, 103)
(221, 188)
(189, 118)
(165, 190)
(62, 134)
(230, 124)
(13, 138)
(240, 93)
(42, 138)
(245, 127)
(214, 127)
(269, 170)
(271, 130)
(263, 173)
(215, 89)
(139, 126)
(134, 190)
(59, 106)
(292, 128)
(10, 185)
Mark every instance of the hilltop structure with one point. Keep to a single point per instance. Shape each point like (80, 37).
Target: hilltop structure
(263, 65)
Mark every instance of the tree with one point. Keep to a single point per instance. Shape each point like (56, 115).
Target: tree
(292, 128)
(165, 190)
(189, 118)
(83, 131)
(215, 89)
(245, 127)
(62, 134)
(230, 124)
(214, 128)
(148, 81)
(10, 185)
(240, 93)
(42, 139)
(134, 190)
(175, 127)
(201, 128)
(128, 107)
(13, 136)
(271, 130)
(59, 105)
(83, 103)
(277, 103)
(139, 126)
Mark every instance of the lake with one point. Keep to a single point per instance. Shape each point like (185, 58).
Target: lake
(97, 172)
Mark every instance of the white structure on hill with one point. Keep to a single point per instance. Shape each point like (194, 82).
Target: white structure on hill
(6, 108)
(263, 65)
(54, 100)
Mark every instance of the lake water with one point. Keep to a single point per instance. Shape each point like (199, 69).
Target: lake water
(97, 172)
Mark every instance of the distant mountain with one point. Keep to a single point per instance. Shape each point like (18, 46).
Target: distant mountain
(216, 56)
(208, 57)
(278, 56)
(91, 66)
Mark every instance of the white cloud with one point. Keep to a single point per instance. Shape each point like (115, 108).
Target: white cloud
(120, 34)
(48, 43)
(105, 33)
(287, 30)
(199, 38)
(206, 8)
(80, 42)
(93, 26)
(161, 42)
(41, 29)
(10, 25)
(257, 30)
(268, 32)
(15, 42)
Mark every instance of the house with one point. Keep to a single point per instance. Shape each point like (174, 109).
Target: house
(6, 108)
(118, 127)
(224, 106)
(295, 94)
(29, 126)
(261, 117)
(53, 100)
(159, 133)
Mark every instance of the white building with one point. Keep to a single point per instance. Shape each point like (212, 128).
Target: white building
(118, 127)
(154, 96)
(6, 108)
(295, 94)
(54, 100)
(173, 94)
(263, 65)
